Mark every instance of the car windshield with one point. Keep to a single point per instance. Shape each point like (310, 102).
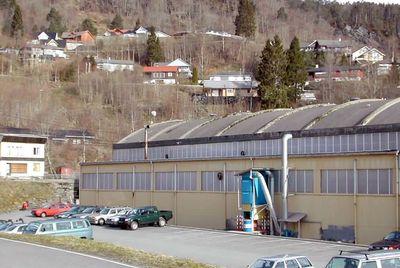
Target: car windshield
(262, 264)
(104, 211)
(342, 262)
(132, 212)
(88, 210)
(32, 228)
(391, 236)
(10, 228)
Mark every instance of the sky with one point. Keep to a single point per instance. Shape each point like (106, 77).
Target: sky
(374, 1)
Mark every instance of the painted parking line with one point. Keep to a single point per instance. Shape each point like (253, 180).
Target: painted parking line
(70, 252)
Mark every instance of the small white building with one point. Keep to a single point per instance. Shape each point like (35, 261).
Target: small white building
(184, 68)
(231, 85)
(110, 65)
(367, 55)
(22, 155)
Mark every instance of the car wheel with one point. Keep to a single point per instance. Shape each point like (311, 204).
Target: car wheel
(101, 221)
(43, 215)
(134, 225)
(161, 222)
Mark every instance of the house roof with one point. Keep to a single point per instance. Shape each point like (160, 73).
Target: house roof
(68, 35)
(230, 84)
(330, 43)
(372, 113)
(179, 63)
(152, 69)
(111, 61)
(51, 35)
(72, 133)
(335, 69)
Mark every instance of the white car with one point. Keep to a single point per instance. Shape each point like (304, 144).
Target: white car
(16, 228)
(105, 214)
(114, 221)
(282, 261)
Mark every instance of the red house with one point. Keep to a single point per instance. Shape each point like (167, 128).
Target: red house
(161, 74)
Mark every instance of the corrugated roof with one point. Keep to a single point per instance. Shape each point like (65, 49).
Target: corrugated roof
(366, 112)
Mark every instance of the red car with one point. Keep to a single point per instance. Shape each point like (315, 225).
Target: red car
(50, 210)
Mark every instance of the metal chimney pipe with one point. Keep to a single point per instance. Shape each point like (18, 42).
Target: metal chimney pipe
(285, 139)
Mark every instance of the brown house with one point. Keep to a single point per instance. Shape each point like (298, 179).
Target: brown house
(84, 37)
(161, 74)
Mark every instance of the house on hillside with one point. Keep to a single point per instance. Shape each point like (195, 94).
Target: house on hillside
(161, 74)
(333, 46)
(184, 68)
(231, 85)
(139, 32)
(367, 55)
(335, 73)
(72, 136)
(111, 65)
(22, 153)
(44, 36)
(41, 53)
(84, 37)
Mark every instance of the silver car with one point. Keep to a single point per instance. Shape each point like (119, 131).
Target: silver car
(16, 228)
(282, 261)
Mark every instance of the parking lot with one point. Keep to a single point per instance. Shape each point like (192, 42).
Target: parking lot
(220, 248)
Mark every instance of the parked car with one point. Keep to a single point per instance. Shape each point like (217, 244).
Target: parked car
(115, 221)
(105, 214)
(15, 228)
(50, 210)
(365, 259)
(4, 224)
(69, 213)
(87, 212)
(282, 261)
(391, 241)
(146, 216)
(61, 227)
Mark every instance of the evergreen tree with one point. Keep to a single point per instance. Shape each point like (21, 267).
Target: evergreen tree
(55, 22)
(137, 24)
(17, 26)
(245, 20)
(88, 24)
(344, 60)
(296, 73)
(117, 22)
(195, 76)
(271, 74)
(154, 50)
(281, 15)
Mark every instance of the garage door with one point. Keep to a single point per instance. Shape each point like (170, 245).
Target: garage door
(18, 168)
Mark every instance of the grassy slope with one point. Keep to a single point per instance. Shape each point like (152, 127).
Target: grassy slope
(14, 193)
(109, 251)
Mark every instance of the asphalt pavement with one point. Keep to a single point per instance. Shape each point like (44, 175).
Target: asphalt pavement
(225, 249)
(16, 254)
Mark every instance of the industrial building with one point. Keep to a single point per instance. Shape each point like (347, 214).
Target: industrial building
(343, 169)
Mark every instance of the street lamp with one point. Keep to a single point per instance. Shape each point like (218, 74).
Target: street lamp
(146, 136)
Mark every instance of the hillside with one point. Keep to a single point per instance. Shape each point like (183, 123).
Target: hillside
(64, 95)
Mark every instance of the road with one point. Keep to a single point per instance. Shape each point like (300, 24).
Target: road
(219, 248)
(20, 254)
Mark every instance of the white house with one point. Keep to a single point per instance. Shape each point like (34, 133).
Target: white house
(367, 55)
(184, 68)
(110, 65)
(22, 155)
(230, 85)
(42, 52)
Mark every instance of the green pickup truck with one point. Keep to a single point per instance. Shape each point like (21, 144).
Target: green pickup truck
(145, 216)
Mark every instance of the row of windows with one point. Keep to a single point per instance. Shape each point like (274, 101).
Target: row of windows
(299, 181)
(297, 146)
(369, 181)
(341, 181)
